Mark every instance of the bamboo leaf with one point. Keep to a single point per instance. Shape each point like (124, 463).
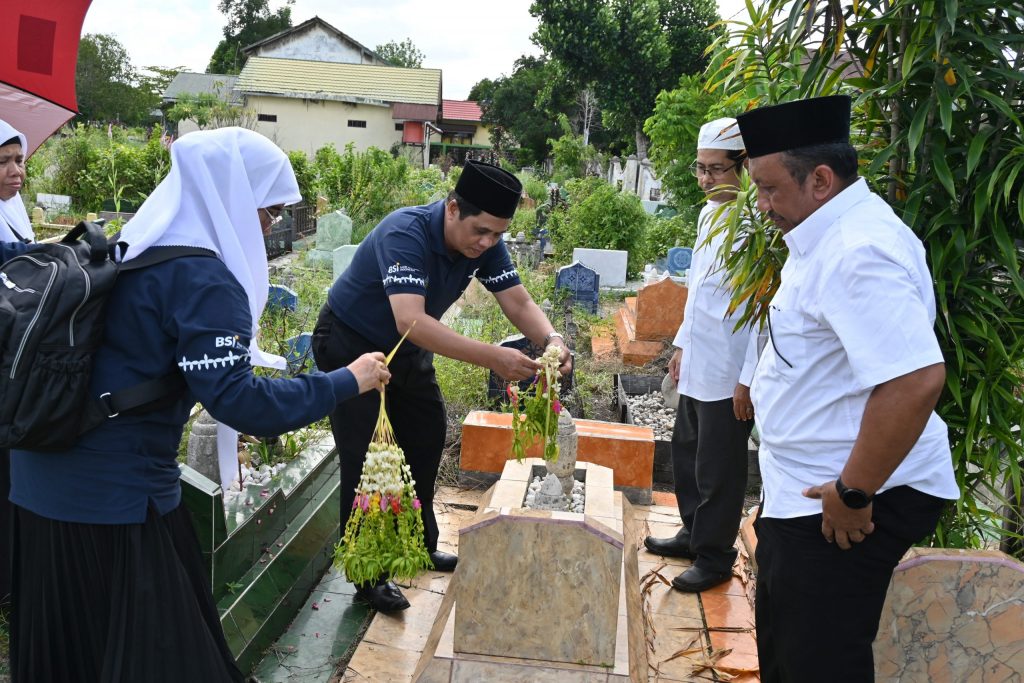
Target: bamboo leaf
(976, 148)
(917, 127)
(942, 169)
(945, 99)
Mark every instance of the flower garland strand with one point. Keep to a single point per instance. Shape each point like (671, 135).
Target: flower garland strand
(384, 534)
(535, 414)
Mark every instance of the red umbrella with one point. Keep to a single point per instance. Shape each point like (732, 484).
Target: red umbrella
(37, 67)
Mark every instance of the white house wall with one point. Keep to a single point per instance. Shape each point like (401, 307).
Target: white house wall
(315, 44)
(308, 125)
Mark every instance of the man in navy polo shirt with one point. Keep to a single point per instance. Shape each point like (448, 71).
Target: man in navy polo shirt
(410, 269)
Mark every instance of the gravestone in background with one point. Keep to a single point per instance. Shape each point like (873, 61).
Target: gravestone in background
(202, 447)
(609, 263)
(280, 296)
(333, 230)
(579, 284)
(679, 259)
(342, 258)
(299, 354)
(497, 387)
(53, 202)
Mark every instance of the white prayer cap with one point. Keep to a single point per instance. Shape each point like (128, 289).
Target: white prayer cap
(720, 134)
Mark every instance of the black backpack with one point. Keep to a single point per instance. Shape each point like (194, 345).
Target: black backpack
(52, 310)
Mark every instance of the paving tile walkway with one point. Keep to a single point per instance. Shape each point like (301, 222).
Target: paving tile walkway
(692, 637)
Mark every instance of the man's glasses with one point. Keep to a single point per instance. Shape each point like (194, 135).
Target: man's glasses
(698, 170)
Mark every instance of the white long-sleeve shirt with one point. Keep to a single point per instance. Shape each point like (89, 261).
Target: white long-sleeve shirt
(715, 359)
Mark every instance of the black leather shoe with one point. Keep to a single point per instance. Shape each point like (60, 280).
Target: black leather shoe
(674, 546)
(383, 596)
(695, 579)
(444, 562)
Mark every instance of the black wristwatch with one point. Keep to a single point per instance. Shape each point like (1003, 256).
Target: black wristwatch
(854, 499)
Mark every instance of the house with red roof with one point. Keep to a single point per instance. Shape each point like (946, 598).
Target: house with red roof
(462, 131)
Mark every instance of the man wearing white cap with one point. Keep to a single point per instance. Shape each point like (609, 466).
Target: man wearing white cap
(715, 415)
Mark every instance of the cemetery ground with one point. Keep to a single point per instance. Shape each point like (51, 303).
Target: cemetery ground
(289, 616)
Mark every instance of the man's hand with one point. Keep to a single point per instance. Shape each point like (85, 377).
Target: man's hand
(839, 523)
(673, 365)
(742, 408)
(510, 364)
(564, 357)
(371, 371)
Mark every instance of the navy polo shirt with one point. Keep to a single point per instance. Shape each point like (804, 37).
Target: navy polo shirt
(191, 315)
(406, 254)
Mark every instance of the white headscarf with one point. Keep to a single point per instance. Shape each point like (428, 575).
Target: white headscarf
(12, 211)
(218, 181)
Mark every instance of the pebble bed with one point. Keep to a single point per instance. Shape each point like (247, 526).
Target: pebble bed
(649, 410)
(256, 476)
(578, 495)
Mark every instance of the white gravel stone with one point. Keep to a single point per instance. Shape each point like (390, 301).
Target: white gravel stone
(649, 410)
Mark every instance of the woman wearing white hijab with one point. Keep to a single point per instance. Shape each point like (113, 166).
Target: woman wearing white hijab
(14, 223)
(109, 582)
(14, 227)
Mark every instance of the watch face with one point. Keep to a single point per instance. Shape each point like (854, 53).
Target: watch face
(855, 498)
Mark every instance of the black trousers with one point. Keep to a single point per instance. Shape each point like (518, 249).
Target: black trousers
(114, 603)
(414, 405)
(817, 606)
(709, 467)
(5, 528)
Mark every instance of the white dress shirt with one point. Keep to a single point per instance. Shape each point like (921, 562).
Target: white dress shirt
(856, 309)
(714, 357)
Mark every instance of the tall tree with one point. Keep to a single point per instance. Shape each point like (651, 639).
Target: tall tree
(509, 109)
(249, 21)
(627, 51)
(107, 83)
(401, 54)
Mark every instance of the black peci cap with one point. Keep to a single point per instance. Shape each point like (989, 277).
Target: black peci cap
(489, 188)
(801, 123)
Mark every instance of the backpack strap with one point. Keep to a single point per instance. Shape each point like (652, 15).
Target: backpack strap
(155, 393)
(144, 394)
(155, 255)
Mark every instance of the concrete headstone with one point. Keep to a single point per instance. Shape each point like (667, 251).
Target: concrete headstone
(280, 296)
(299, 352)
(679, 259)
(202, 447)
(333, 230)
(53, 202)
(610, 264)
(342, 258)
(579, 284)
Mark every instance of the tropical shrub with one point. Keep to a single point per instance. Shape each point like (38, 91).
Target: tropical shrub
(600, 217)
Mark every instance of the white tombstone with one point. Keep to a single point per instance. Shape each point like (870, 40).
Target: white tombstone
(343, 258)
(610, 264)
(630, 174)
(53, 202)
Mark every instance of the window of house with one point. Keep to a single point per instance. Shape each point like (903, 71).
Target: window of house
(269, 118)
(400, 127)
(352, 123)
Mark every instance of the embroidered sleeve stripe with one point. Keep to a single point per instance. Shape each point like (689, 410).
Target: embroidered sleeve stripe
(404, 280)
(205, 363)
(500, 277)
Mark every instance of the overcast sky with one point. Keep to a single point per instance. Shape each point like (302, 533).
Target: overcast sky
(468, 40)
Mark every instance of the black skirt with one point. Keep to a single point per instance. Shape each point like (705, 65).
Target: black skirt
(114, 603)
